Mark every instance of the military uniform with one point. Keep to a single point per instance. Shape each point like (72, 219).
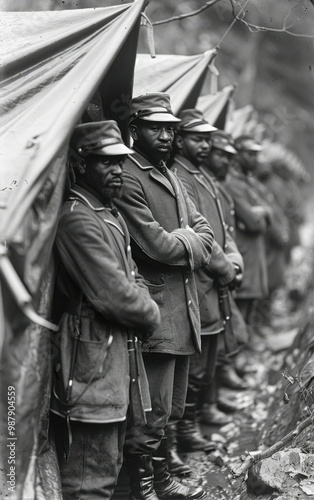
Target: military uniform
(169, 240)
(157, 211)
(250, 229)
(102, 298)
(204, 194)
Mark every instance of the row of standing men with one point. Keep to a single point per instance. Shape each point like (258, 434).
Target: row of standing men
(150, 242)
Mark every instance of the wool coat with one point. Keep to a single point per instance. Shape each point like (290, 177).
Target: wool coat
(277, 233)
(101, 297)
(170, 240)
(203, 191)
(251, 225)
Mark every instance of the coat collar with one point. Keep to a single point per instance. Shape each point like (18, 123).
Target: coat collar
(143, 163)
(78, 192)
(199, 174)
(186, 164)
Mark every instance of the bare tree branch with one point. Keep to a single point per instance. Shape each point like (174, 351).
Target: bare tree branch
(253, 28)
(251, 460)
(188, 14)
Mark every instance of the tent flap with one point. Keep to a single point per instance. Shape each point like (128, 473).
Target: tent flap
(68, 63)
(64, 84)
(180, 76)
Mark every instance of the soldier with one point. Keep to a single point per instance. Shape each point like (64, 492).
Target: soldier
(276, 242)
(103, 298)
(253, 216)
(170, 240)
(192, 150)
(219, 161)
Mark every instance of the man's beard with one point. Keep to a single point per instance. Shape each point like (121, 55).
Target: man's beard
(157, 157)
(111, 193)
(154, 156)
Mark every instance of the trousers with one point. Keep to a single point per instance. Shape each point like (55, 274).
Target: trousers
(167, 377)
(203, 366)
(91, 469)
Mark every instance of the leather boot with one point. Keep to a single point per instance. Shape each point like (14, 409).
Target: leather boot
(168, 489)
(228, 377)
(141, 472)
(225, 404)
(188, 433)
(175, 465)
(210, 415)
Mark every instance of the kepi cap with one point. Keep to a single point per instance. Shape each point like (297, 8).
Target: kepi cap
(222, 140)
(192, 120)
(153, 107)
(247, 143)
(98, 138)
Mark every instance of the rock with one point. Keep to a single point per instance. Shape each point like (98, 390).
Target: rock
(280, 341)
(290, 472)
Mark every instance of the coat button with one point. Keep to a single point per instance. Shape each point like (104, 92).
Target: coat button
(190, 302)
(232, 212)
(186, 281)
(231, 229)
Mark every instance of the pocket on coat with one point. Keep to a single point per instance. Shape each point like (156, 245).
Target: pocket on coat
(90, 360)
(157, 291)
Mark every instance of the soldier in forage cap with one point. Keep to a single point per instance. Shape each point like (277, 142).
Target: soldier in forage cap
(219, 162)
(101, 298)
(253, 216)
(192, 149)
(170, 240)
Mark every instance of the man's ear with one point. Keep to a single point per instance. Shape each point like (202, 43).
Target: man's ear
(179, 142)
(81, 167)
(134, 132)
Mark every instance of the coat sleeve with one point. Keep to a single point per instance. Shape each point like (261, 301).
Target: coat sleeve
(253, 217)
(92, 264)
(220, 266)
(232, 251)
(157, 243)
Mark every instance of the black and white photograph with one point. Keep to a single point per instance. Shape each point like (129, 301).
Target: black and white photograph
(156, 249)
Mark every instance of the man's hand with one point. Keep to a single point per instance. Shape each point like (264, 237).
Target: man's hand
(148, 332)
(237, 280)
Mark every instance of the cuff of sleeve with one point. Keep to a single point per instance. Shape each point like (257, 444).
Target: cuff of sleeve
(198, 254)
(228, 278)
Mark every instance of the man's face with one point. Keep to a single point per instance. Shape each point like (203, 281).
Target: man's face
(194, 146)
(153, 139)
(104, 175)
(219, 162)
(247, 160)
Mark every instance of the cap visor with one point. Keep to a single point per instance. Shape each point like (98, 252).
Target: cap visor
(113, 150)
(227, 148)
(255, 147)
(203, 127)
(230, 149)
(160, 117)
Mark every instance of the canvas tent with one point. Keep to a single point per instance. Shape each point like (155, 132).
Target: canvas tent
(242, 121)
(57, 67)
(180, 76)
(216, 107)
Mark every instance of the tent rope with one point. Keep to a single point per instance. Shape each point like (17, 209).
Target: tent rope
(19, 292)
(150, 34)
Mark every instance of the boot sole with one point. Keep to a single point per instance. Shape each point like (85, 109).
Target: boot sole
(203, 495)
(179, 472)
